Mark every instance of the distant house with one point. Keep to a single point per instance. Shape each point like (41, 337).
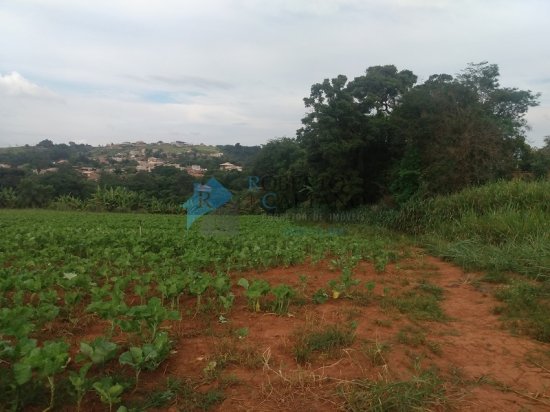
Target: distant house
(219, 154)
(5, 166)
(226, 167)
(91, 173)
(48, 170)
(195, 170)
(61, 162)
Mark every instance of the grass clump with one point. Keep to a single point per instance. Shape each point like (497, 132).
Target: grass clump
(423, 391)
(375, 352)
(527, 308)
(324, 339)
(419, 303)
(415, 337)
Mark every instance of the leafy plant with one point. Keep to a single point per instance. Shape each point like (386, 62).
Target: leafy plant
(46, 361)
(80, 383)
(344, 284)
(98, 351)
(109, 391)
(254, 292)
(152, 314)
(148, 356)
(283, 295)
(320, 296)
(198, 286)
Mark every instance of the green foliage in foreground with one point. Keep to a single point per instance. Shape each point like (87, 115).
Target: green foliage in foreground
(129, 272)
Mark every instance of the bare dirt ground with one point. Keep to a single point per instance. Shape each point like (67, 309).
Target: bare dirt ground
(250, 357)
(482, 365)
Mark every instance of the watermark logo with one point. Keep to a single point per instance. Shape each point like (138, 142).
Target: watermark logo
(206, 198)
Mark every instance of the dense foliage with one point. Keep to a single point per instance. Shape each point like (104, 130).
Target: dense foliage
(381, 137)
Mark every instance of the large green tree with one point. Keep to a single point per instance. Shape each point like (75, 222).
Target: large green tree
(462, 131)
(348, 135)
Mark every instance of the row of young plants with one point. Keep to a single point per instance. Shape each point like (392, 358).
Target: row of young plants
(132, 273)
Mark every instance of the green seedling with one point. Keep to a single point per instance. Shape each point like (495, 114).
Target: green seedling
(344, 284)
(46, 362)
(109, 391)
(108, 309)
(320, 296)
(80, 383)
(254, 292)
(198, 286)
(222, 286)
(16, 321)
(98, 351)
(152, 314)
(148, 356)
(283, 295)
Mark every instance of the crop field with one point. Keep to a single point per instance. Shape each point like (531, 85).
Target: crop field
(132, 312)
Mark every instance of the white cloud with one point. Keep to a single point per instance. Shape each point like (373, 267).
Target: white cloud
(14, 84)
(237, 70)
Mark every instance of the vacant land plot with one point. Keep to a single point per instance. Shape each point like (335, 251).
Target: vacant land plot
(133, 312)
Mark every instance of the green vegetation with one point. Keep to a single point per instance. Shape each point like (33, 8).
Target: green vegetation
(423, 391)
(135, 278)
(419, 303)
(322, 339)
(500, 228)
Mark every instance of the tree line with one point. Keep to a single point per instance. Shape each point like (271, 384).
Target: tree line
(380, 137)
(384, 137)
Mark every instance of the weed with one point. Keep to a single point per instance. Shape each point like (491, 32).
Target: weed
(374, 351)
(320, 296)
(526, 308)
(233, 351)
(322, 339)
(189, 399)
(415, 337)
(431, 289)
(422, 391)
(417, 306)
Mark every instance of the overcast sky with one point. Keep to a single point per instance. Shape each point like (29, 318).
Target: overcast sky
(228, 71)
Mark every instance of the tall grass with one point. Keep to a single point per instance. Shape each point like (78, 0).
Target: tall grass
(500, 227)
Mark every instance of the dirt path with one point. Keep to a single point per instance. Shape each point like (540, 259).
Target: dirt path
(487, 353)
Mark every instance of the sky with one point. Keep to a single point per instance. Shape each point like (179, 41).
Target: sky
(228, 71)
